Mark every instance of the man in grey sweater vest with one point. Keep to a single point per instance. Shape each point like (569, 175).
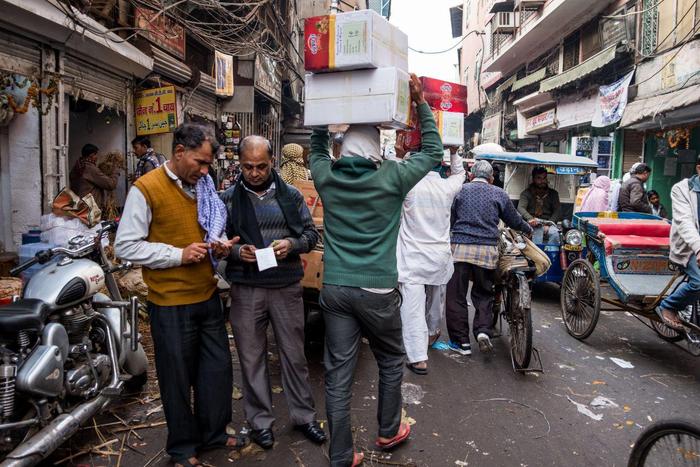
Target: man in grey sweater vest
(266, 212)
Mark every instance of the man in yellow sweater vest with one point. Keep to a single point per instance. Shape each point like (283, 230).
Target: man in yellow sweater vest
(160, 230)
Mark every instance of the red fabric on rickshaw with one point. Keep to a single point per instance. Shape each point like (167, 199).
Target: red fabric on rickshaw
(635, 241)
(644, 228)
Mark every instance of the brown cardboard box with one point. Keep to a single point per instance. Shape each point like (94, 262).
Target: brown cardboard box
(313, 269)
(313, 201)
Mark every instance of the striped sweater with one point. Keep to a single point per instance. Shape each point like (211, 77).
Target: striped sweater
(273, 226)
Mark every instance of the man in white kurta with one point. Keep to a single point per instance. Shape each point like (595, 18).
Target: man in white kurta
(424, 260)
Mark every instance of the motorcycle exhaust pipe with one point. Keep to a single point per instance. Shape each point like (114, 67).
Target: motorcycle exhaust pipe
(53, 435)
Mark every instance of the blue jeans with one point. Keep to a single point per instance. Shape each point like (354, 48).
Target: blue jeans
(538, 236)
(687, 292)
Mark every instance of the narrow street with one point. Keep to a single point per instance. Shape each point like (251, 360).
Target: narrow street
(475, 410)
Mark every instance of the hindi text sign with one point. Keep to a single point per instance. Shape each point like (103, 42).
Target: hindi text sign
(156, 111)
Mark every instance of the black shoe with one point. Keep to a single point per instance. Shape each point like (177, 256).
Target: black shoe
(263, 438)
(313, 432)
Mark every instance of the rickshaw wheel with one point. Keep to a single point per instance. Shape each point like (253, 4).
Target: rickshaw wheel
(580, 299)
(520, 328)
(665, 332)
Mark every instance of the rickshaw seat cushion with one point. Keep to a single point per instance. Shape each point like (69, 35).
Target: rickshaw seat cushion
(613, 242)
(642, 229)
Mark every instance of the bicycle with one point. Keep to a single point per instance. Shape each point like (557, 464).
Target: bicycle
(667, 443)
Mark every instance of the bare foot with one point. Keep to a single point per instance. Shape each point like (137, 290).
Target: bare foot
(421, 365)
(192, 460)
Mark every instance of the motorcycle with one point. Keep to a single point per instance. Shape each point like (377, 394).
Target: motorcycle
(66, 349)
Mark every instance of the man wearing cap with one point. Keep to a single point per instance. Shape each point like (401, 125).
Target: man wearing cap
(633, 196)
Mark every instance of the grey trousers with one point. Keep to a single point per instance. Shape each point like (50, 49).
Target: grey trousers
(252, 309)
(350, 312)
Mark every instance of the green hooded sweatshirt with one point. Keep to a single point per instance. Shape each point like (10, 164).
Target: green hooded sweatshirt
(362, 207)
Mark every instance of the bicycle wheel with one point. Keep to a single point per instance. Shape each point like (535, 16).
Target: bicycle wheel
(667, 444)
(520, 328)
(580, 299)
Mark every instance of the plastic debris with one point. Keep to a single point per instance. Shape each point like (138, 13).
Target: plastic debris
(621, 363)
(277, 390)
(582, 408)
(412, 393)
(603, 402)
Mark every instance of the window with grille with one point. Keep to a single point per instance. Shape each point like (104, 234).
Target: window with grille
(650, 24)
(571, 50)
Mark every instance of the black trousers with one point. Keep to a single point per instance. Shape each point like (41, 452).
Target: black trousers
(192, 352)
(349, 313)
(457, 310)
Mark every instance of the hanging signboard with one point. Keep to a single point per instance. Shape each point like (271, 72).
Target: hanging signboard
(542, 121)
(266, 78)
(223, 64)
(161, 30)
(155, 111)
(611, 102)
(491, 129)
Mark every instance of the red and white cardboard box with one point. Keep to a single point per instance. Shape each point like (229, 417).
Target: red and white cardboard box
(445, 96)
(375, 97)
(352, 41)
(450, 126)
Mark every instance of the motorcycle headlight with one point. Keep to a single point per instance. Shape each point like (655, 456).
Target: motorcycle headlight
(573, 237)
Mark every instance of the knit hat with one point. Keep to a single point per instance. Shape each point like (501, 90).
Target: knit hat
(292, 151)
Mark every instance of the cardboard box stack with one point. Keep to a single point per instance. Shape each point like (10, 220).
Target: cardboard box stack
(358, 65)
(449, 104)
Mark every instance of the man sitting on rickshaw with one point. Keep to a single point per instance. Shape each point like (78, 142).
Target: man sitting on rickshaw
(540, 203)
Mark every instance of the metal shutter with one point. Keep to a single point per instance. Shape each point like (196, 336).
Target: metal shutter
(202, 102)
(19, 55)
(89, 82)
(632, 149)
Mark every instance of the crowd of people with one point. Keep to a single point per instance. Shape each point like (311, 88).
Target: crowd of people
(402, 241)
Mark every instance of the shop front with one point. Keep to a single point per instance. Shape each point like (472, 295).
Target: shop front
(48, 94)
(666, 111)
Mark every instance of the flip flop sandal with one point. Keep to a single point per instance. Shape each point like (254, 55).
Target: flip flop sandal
(401, 436)
(675, 326)
(417, 370)
(357, 458)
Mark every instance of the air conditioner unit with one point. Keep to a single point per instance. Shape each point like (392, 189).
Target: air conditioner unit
(529, 4)
(504, 23)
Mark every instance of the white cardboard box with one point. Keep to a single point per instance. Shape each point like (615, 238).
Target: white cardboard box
(377, 97)
(451, 128)
(353, 40)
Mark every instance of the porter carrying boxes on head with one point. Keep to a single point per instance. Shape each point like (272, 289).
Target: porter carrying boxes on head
(364, 63)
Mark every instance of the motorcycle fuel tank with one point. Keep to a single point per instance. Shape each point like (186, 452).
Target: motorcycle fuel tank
(66, 282)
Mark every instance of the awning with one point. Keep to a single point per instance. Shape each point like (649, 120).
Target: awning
(584, 68)
(170, 67)
(505, 85)
(673, 108)
(532, 78)
(46, 19)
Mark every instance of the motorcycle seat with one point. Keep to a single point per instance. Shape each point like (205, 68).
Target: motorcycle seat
(26, 314)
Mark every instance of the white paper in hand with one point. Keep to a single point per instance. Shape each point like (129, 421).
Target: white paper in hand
(266, 259)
